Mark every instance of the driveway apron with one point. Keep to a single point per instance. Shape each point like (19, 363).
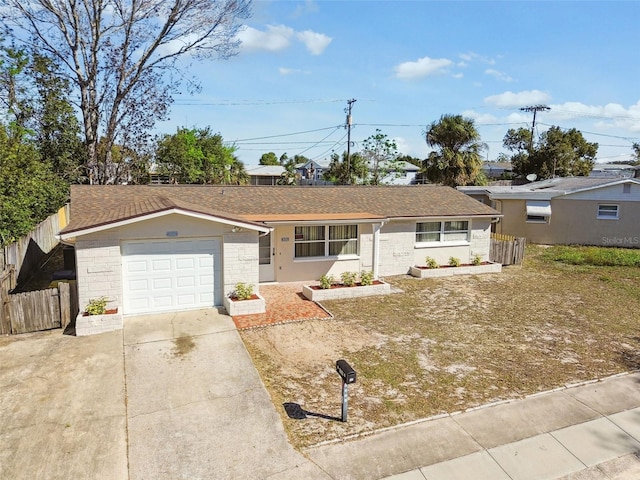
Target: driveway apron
(197, 408)
(62, 407)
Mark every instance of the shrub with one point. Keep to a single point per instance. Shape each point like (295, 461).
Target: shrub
(326, 281)
(366, 278)
(454, 262)
(477, 259)
(97, 306)
(348, 278)
(431, 262)
(243, 291)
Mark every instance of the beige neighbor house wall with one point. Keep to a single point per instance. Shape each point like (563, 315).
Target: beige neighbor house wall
(99, 255)
(574, 221)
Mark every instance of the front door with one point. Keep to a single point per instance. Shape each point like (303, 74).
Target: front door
(267, 255)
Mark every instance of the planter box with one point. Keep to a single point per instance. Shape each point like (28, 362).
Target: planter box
(446, 271)
(244, 307)
(318, 295)
(93, 324)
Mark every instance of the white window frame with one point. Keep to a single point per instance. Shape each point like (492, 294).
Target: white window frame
(327, 241)
(442, 233)
(606, 216)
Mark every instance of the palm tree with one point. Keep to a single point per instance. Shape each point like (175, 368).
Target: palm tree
(289, 176)
(457, 160)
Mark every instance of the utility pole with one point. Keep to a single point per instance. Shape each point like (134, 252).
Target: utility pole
(534, 109)
(348, 127)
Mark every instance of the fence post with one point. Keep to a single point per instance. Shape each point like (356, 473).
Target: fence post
(64, 295)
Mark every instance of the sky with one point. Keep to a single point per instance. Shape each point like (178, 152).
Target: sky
(407, 63)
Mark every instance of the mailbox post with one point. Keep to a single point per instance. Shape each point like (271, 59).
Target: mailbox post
(348, 375)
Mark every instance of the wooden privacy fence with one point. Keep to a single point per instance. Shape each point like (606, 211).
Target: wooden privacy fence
(506, 249)
(26, 253)
(39, 310)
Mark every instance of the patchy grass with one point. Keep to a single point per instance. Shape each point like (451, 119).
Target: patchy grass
(452, 343)
(596, 256)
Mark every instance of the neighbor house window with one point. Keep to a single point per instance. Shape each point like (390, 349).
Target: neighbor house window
(326, 240)
(538, 211)
(446, 231)
(608, 211)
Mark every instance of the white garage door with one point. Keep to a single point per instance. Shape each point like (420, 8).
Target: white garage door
(172, 274)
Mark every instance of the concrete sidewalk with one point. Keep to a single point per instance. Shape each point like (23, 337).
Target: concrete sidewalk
(585, 432)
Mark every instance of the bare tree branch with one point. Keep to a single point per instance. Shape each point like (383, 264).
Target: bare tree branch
(121, 56)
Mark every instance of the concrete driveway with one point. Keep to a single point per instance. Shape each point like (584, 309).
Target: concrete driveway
(173, 396)
(62, 407)
(197, 408)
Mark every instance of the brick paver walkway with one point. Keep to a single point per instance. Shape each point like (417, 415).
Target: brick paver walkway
(285, 303)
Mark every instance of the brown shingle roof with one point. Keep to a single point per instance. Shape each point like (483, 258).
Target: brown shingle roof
(96, 205)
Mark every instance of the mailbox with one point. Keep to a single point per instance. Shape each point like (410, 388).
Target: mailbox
(347, 373)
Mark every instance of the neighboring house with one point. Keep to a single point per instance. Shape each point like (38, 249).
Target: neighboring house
(173, 247)
(265, 174)
(497, 170)
(568, 210)
(312, 172)
(405, 174)
(612, 170)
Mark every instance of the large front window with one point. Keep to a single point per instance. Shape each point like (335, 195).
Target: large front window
(445, 231)
(326, 240)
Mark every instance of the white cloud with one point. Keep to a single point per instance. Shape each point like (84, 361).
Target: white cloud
(519, 99)
(423, 67)
(275, 38)
(315, 42)
(480, 118)
(309, 6)
(498, 74)
(473, 56)
(457, 75)
(292, 71)
(278, 37)
(611, 115)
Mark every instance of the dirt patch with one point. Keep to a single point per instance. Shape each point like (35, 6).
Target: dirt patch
(182, 346)
(447, 344)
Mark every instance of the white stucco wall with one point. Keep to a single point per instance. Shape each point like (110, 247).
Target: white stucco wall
(240, 260)
(99, 261)
(397, 251)
(99, 268)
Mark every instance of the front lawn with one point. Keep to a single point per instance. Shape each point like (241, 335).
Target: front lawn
(448, 344)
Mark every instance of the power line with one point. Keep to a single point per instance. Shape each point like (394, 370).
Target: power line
(236, 103)
(535, 109)
(286, 134)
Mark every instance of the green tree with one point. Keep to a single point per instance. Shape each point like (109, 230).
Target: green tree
(14, 85)
(381, 153)
(37, 104)
(29, 190)
(636, 152)
(122, 57)
(198, 156)
(269, 159)
(290, 174)
(457, 160)
(57, 131)
(341, 172)
(409, 159)
(557, 153)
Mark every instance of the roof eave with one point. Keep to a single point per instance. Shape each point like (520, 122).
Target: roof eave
(74, 233)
